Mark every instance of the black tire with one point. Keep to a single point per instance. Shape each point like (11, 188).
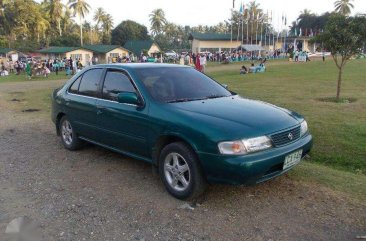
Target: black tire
(196, 185)
(69, 140)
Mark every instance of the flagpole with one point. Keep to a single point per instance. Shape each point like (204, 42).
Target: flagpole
(256, 30)
(248, 28)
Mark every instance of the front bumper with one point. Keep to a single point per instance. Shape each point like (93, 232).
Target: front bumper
(253, 168)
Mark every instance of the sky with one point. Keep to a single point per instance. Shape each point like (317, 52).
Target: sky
(209, 12)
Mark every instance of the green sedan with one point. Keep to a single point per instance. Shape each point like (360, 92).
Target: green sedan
(188, 126)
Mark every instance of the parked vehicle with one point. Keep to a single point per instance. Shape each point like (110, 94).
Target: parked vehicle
(189, 127)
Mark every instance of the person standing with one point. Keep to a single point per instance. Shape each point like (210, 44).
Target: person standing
(198, 63)
(56, 66)
(28, 70)
(203, 61)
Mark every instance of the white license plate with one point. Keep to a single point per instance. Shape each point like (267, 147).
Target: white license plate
(292, 159)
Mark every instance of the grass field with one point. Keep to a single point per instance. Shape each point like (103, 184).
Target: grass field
(22, 77)
(339, 129)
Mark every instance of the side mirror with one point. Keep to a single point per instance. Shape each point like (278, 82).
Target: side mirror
(225, 86)
(128, 98)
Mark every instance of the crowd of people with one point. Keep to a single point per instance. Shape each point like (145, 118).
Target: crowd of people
(33, 67)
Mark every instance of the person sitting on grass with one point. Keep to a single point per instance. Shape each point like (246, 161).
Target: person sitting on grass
(46, 71)
(243, 70)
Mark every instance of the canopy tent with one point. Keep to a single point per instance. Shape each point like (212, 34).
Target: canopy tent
(250, 47)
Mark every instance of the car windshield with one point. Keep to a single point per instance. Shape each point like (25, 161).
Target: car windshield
(179, 84)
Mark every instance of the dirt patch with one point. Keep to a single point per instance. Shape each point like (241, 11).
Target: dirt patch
(31, 110)
(344, 100)
(95, 194)
(15, 100)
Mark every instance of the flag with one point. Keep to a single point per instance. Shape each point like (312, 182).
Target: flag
(241, 8)
(285, 20)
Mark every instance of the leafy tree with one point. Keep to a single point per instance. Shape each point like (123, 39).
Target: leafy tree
(129, 30)
(343, 37)
(343, 6)
(157, 20)
(80, 8)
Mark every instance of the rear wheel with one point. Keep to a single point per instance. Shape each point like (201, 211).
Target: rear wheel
(180, 171)
(68, 136)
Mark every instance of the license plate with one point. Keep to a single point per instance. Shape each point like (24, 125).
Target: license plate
(292, 159)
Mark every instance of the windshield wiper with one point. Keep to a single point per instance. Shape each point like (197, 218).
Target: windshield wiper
(180, 100)
(214, 96)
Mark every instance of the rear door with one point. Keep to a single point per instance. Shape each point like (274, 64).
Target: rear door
(80, 103)
(125, 126)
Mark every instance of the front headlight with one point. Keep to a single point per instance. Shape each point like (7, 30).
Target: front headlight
(245, 146)
(303, 128)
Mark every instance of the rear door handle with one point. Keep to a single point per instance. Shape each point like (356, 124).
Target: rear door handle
(100, 109)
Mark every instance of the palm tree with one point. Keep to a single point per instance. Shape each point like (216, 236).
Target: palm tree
(343, 6)
(157, 20)
(98, 15)
(55, 9)
(80, 8)
(107, 23)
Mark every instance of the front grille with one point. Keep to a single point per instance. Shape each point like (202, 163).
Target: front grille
(282, 138)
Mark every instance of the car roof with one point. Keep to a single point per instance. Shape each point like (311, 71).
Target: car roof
(128, 66)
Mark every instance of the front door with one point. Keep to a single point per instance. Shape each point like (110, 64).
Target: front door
(125, 126)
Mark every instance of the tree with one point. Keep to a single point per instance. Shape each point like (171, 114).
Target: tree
(55, 9)
(343, 6)
(80, 8)
(129, 30)
(107, 25)
(157, 20)
(98, 15)
(343, 37)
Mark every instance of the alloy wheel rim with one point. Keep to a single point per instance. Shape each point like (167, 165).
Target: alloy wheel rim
(177, 172)
(66, 131)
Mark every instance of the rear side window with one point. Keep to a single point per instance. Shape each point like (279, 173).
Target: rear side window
(116, 82)
(90, 82)
(75, 86)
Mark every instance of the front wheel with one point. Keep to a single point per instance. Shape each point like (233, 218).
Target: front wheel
(180, 171)
(68, 136)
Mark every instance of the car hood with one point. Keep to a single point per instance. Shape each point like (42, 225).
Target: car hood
(245, 116)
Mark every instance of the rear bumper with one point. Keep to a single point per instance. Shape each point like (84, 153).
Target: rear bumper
(253, 168)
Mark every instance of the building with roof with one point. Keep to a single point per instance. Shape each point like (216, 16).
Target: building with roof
(212, 42)
(107, 53)
(6, 53)
(75, 53)
(139, 46)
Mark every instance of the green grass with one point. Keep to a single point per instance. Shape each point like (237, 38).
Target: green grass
(341, 181)
(34, 99)
(22, 77)
(339, 129)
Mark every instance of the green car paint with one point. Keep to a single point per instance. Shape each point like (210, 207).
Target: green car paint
(139, 130)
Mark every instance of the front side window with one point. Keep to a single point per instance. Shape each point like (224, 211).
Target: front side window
(90, 82)
(116, 82)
